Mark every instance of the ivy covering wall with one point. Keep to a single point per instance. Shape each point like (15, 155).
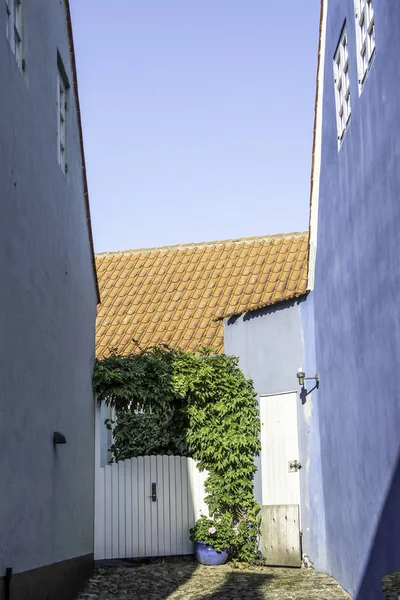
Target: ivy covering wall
(199, 405)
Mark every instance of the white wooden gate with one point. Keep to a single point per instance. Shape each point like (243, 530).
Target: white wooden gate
(280, 480)
(145, 507)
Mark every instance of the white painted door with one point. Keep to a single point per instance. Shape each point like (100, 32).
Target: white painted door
(280, 479)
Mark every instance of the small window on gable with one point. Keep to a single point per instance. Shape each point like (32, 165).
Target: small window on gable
(365, 26)
(14, 31)
(342, 85)
(62, 107)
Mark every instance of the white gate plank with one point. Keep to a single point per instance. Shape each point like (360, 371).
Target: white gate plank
(121, 510)
(100, 516)
(108, 511)
(99, 509)
(153, 507)
(115, 507)
(172, 499)
(147, 504)
(192, 495)
(167, 506)
(194, 499)
(141, 507)
(178, 499)
(185, 507)
(135, 508)
(128, 508)
(160, 506)
(202, 476)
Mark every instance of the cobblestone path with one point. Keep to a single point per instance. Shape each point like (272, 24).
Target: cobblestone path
(190, 581)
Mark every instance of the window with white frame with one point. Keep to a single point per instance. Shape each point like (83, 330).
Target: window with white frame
(61, 120)
(342, 85)
(14, 29)
(365, 25)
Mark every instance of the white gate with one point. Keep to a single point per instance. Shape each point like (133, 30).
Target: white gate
(280, 480)
(145, 507)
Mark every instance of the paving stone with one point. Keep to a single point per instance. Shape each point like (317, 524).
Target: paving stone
(160, 580)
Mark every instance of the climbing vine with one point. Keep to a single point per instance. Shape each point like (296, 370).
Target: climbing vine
(195, 404)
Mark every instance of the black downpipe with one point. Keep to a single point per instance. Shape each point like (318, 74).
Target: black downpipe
(7, 583)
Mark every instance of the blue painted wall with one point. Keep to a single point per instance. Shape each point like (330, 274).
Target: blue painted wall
(270, 345)
(312, 494)
(357, 311)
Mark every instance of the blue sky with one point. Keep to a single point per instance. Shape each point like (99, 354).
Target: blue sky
(197, 117)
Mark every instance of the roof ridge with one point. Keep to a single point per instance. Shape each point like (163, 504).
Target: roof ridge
(204, 244)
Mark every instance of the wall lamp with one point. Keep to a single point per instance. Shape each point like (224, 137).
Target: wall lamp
(59, 438)
(301, 376)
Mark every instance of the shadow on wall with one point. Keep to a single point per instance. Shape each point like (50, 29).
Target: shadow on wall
(384, 557)
(267, 310)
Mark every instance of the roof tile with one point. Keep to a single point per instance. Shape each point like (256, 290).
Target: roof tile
(176, 294)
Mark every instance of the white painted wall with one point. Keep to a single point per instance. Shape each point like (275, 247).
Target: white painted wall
(47, 310)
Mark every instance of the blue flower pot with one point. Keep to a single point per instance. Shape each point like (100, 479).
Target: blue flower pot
(206, 555)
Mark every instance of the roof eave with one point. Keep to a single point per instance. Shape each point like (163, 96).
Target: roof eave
(84, 175)
(263, 305)
(316, 150)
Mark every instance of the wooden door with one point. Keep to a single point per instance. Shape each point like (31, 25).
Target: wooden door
(280, 480)
(145, 507)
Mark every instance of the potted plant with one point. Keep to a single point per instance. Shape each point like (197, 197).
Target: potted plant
(212, 539)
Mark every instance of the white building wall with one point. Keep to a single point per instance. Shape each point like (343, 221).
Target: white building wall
(47, 309)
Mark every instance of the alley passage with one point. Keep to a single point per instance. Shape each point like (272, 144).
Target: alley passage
(190, 581)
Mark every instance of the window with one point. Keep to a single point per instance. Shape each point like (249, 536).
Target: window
(342, 85)
(365, 26)
(61, 119)
(14, 29)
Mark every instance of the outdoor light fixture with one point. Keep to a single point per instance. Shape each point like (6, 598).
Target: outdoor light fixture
(301, 376)
(59, 438)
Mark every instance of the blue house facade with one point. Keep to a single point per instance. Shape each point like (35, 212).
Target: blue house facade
(353, 306)
(268, 343)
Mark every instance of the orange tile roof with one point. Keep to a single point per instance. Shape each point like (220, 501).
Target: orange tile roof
(177, 295)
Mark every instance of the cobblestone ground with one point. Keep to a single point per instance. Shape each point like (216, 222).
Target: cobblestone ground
(190, 581)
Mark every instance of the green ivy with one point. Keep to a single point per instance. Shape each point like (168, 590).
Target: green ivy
(146, 434)
(223, 436)
(170, 401)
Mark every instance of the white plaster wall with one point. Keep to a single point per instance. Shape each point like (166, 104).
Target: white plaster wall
(47, 310)
(269, 345)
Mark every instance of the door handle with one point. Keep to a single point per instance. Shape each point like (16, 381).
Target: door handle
(294, 466)
(153, 492)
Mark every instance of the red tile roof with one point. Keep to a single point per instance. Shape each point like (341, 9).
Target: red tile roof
(177, 295)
